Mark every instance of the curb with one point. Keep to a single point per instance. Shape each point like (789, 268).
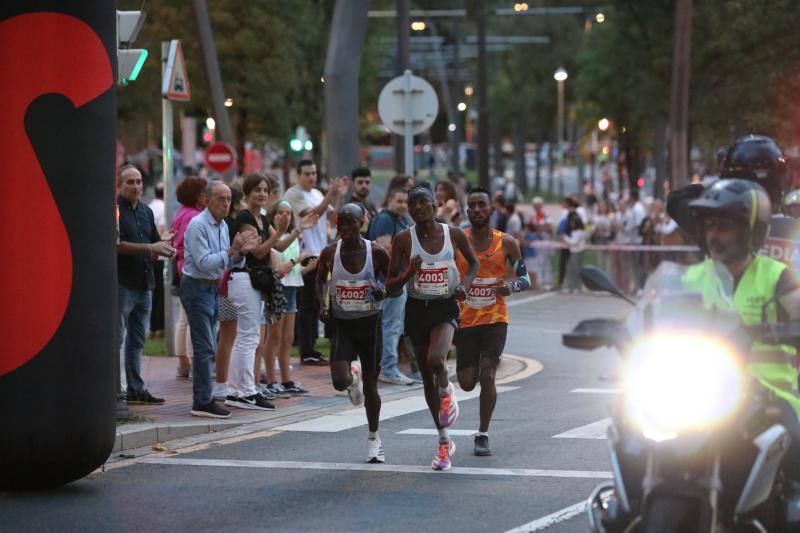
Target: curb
(135, 436)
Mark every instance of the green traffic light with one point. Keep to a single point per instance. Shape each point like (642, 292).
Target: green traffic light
(138, 67)
(296, 145)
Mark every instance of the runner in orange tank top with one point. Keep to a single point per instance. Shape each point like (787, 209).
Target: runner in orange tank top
(484, 315)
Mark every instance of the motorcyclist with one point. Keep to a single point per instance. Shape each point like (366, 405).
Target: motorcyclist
(731, 221)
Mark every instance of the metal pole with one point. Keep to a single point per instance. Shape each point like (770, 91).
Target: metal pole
(224, 129)
(169, 196)
(403, 28)
(408, 125)
(483, 101)
(458, 93)
(560, 131)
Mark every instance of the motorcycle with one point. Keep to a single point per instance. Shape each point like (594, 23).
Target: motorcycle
(695, 443)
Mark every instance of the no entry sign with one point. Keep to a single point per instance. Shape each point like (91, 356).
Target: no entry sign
(220, 157)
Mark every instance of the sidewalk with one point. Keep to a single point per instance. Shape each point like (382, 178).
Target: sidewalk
(172, 419)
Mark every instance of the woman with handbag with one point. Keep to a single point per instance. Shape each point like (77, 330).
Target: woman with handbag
(190, 192)
(245, 289)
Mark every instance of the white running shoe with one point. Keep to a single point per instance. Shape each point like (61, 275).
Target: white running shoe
(356, 389)
(375, 451)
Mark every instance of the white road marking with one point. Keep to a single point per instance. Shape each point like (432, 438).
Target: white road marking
(364, 467)
(417, 431)
(353, 418)
(596, 391)
(595, 430)
(551, 519)
(512, 303)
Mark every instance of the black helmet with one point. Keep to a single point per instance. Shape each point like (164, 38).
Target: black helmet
(740, 200)
(757, 158)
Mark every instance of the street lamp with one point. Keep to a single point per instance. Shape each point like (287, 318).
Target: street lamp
(462, 106)
(418, 25)
(600, 18)
(229, 102)
(468, 90)
(603, 124)
(560, 76)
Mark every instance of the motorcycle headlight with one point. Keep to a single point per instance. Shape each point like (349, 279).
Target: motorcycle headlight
(676, 382)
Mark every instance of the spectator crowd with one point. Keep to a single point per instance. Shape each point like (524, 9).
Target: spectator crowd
(243, 260)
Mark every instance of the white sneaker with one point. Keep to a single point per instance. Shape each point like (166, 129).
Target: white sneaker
(399, 379)
(375, 451)
(220, 391)
(356, 389)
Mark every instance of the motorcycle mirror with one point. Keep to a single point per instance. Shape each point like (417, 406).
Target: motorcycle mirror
(596, 279)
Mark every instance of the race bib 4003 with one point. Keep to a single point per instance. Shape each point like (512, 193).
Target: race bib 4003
(481, 293)
(353, 295)
(432, 279)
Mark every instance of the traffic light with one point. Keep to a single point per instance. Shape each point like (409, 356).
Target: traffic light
(129, 60)
(296, 145)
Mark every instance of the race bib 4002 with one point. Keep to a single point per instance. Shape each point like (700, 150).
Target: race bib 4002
(432, 279)
(482, 293)
(353, 295)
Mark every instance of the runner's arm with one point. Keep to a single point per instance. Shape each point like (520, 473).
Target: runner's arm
(401, 247)
(522, 281)
(462, 244)
(323, 270)
(380, 258)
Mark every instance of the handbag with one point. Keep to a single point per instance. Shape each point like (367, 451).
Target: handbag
(262, 278)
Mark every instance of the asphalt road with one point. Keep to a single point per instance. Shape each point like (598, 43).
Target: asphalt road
(317, 480)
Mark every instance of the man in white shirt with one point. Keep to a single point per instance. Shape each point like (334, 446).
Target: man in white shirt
(305, 199)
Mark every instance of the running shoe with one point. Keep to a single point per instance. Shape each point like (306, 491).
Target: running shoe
(264, 391)
(442, 459)
(448, 407)
(143, 398)
(398, 379)
(255, 402)
(356, 388)
(278, 390)
(294, 387)
(481, 448)
(210, 410)
(375, 451)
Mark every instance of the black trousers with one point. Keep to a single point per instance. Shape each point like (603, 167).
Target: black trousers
(157, 309)
(308, 308)
(563, 259)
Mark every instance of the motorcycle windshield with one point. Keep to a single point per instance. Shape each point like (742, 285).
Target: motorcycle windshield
(673, 299)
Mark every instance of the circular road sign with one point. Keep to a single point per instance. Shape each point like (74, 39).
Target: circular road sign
(424, 104)
(220, 157)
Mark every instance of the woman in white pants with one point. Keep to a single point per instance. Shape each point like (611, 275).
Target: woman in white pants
(242, 391)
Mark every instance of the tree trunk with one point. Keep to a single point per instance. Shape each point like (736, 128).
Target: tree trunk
(659, 158)
(520, 175)
(348, 29)
(679, 95)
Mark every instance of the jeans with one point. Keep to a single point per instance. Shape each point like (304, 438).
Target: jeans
(394, 311)
(134, 317)
(247, 300)
(200, 301)
(308, 314)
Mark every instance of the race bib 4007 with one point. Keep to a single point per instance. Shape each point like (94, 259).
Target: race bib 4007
(432, 279)
(481, 293)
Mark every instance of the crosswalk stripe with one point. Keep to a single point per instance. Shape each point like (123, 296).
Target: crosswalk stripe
(595, 430)
(418, 431)
(595, 391)
(352, 418)
(365, 467)
(551, 519)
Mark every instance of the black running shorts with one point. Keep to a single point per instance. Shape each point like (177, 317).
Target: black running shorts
(424, 315)
(357, 337)
(484, 340)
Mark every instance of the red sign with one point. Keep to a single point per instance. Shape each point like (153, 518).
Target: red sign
(220, 157)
